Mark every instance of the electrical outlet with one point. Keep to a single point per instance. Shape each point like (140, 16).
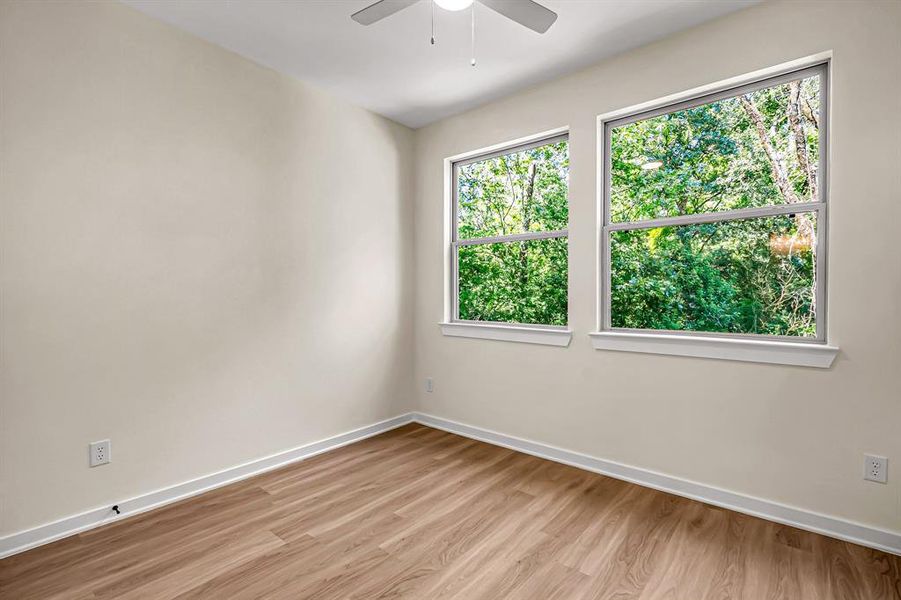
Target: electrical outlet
(429, 384)
(100, 453)
(875, 468)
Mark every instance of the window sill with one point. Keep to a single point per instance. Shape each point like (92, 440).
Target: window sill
(761, 351)
(509, 333)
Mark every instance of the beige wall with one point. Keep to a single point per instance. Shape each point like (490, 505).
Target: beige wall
(788, 434)
(203, 260)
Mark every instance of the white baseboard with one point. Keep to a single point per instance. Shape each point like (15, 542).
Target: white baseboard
(44, 534)
(888, 541)
(857, 533)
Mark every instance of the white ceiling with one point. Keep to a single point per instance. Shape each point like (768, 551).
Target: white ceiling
(390, 67)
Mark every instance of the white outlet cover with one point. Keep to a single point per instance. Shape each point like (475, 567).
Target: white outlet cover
(429, 384)
(100, 453)
(875, 468)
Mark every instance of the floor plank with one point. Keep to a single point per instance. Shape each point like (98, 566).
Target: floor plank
(420, 513)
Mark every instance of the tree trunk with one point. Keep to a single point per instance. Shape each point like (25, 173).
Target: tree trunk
(802, 220)
(808, 113)
(797, 129)
(526, 224)
(777, 169)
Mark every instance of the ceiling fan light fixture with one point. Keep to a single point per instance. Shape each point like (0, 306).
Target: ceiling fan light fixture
(527, 13)
(454, 5)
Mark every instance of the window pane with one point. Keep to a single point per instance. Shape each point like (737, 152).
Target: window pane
(514, 282)
(757, 149)
(514, 193)
(753, 276)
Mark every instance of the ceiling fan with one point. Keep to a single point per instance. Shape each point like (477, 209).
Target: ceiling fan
(525, 12)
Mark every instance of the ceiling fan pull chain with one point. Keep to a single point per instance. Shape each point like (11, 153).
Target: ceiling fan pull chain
(432, 2)
(473, 33)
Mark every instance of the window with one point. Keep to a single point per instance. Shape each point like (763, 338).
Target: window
(715, 214)
(509, 236)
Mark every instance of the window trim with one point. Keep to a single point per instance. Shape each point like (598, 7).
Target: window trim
(491, 330)
(773, 351)
(452, 325)
(752, 347)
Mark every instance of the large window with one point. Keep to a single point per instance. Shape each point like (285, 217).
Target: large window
(509, 238)
(715, 213)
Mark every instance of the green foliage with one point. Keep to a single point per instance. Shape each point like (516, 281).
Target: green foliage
(514, 282)
(747, 276)
(712, 157)
(514, 193)
(520, 281)
(714, 277)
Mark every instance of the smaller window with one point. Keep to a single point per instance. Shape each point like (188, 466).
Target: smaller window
(509, 238)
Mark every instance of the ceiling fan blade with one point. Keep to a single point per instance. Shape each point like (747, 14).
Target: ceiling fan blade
(525, 12)
(380, 10)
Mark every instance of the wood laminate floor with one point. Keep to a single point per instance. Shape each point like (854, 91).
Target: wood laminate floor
(419, 513)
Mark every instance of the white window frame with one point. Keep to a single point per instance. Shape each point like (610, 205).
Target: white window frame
(551, 335)
(815, 352)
